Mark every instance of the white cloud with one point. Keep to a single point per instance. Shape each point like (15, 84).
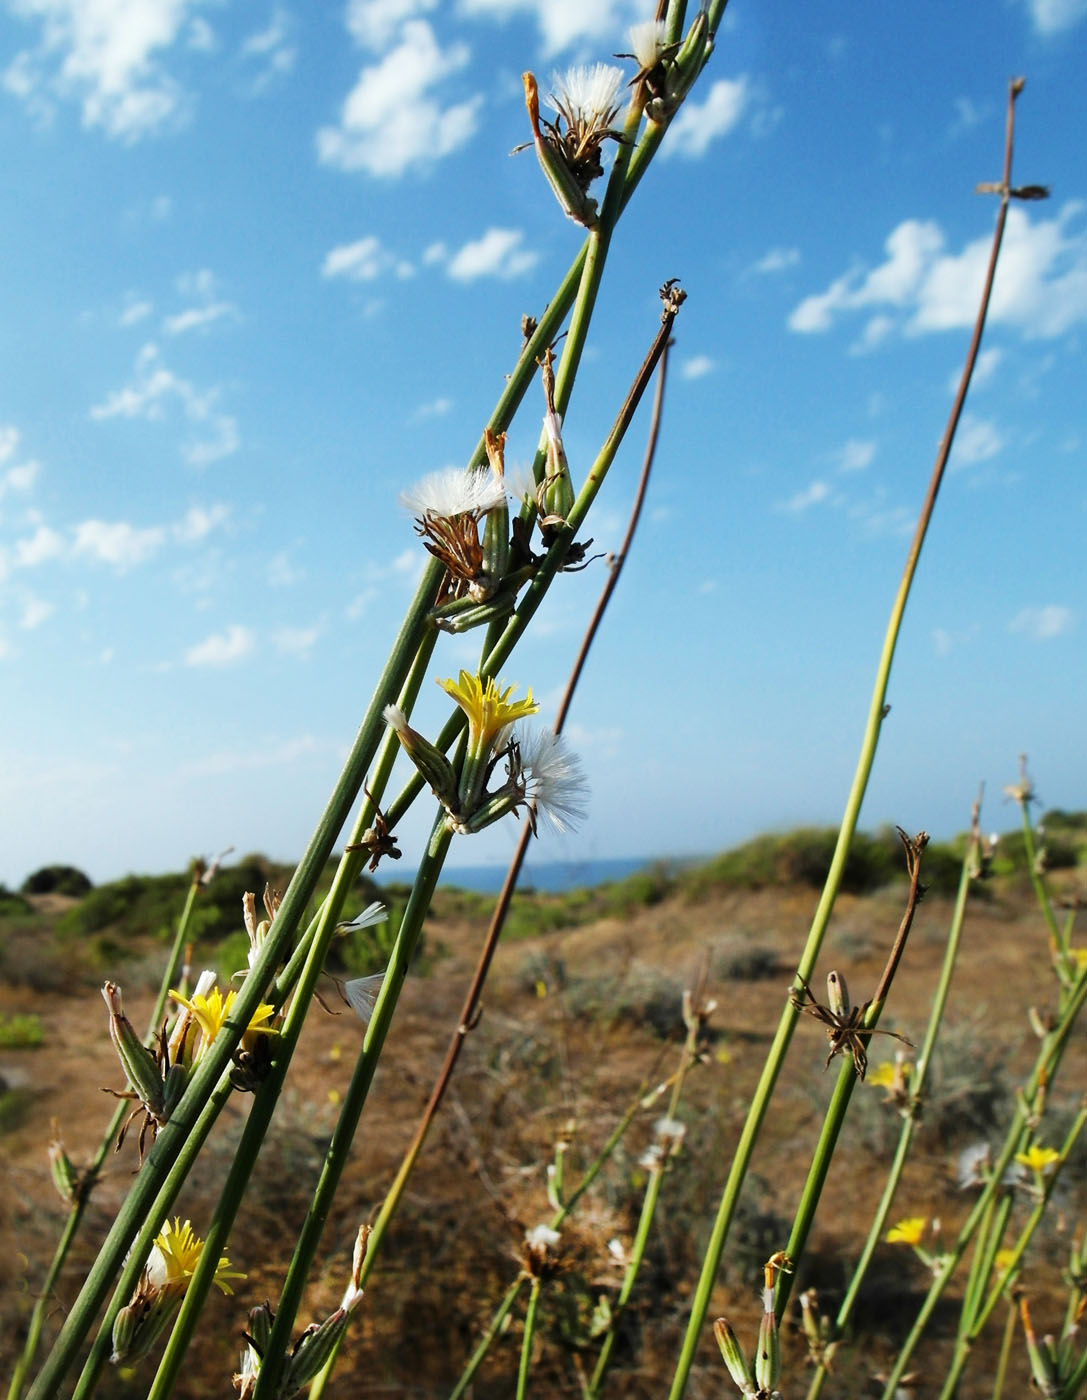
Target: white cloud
(105, 55)
(942, 641)
(44, 544)
(20, 478)
(697, 367)
(696, 124)
(117, 542)
(222, 648)
(812, 495)
(436, 408)
(135, 312)
(199, 522)
(281, 573)
(984, 368)
(498, 253)
(1040, 286)
(855, 455)
(364, 261)
(390, 121)
(9, 441)
(777, 260)
(154, 387)
(198, 318)
(271, 49)
(35, 611)
(563, 23)
(1053, 16)
(976, 440)
(373, 23)
(1043, 623)
(296, 641)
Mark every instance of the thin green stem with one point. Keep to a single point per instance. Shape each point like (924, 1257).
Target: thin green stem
(145, 1237)
(526, 1340)
(1005, 1351)
(340, 1145)
(1016, 1140)
(877, 712)
(917, 1085)
(75, 1215)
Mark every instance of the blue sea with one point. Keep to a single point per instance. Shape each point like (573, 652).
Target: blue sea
(551, 877)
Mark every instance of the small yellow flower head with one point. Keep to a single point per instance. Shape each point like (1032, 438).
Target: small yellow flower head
(883, 1076)
(908, 1231)
(489, 709)
(1079, 957)
(174, 1257)
(212, 1009)
(1003, 1260)
(1038, 1159)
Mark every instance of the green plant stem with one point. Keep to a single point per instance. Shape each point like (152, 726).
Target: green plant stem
(340, 1144)
(1005, 1352)
(983, 1310)
(75, 1215)
(177, 1131)
(145, 1238)
(909, 1123)
(1059, 944)
(1016, 1140)
(526, 1340)
(834, 1119)
(877, 712)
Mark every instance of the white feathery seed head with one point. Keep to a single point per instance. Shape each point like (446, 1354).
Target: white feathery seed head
(587, 95)
(554, 778)
(648, 41)
(451, 492)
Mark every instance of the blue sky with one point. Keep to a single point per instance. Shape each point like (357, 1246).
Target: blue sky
(263, 267)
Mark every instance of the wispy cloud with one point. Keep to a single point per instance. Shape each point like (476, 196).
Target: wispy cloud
(436, 408)
(222, 648)
(199, 318)
(19, 478)
(151, 391)
(364, 261)
(776, 260)
(498, 253)
(812, 495)
(698, 124)
(44, 544)
(1042, 624)
(391, 119)
(987, 364)
(697, 367)
(296, 641)
(35, 611)
(855, 455)
(1055, 16)
(270, 52)
(562, 23)
(1040, 287)
(117, 542)
(977, 440)
(107, 56)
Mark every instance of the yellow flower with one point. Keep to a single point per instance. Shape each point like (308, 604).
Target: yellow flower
(1079, 957)
(174, 1257)
(1003, 1260)
(212, 1010)
(1038, 1159)
(908, 1231)
(883, 1076)
(489, 709)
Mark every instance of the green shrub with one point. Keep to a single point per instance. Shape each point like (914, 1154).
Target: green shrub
(58, 879)
(11, 904)
(20, 1032)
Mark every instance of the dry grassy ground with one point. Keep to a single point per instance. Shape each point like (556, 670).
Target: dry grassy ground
(574, 1023)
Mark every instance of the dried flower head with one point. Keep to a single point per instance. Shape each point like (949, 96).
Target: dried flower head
(448, 506)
